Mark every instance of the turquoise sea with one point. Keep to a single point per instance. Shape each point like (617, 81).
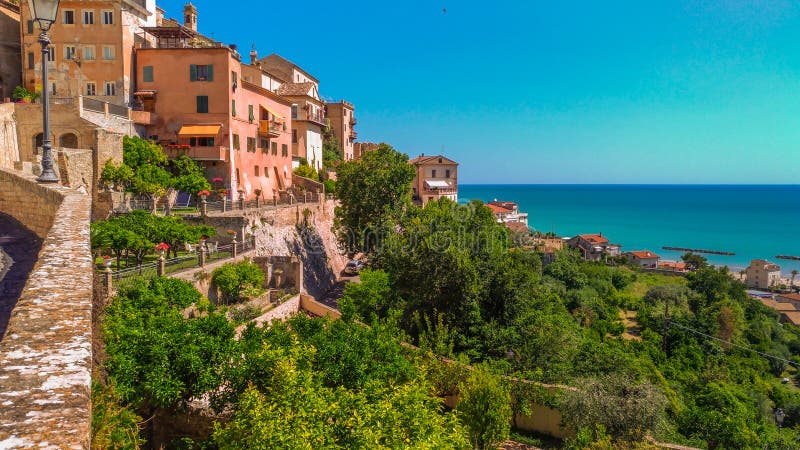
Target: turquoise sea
(753, 221)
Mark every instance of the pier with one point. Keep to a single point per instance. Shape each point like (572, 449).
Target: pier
(699, 250)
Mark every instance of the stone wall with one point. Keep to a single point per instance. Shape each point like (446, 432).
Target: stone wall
(10, 60)
(46, 353)
(9, 151)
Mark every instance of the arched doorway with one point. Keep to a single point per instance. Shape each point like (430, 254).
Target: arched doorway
(38, 140)
(68, 140)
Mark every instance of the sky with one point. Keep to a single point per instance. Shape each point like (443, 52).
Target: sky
(652, 92)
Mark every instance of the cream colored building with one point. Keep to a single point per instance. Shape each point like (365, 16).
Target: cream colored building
(762, 274)
(92, 48)
(437, 177)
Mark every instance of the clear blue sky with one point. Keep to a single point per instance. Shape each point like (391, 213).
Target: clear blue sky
(552, 92)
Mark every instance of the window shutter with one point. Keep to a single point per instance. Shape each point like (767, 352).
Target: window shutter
(147, 73)
(250, 112)
(202, 103)
(210, 72)
(233, 108)
(30, 27)
(192, 73)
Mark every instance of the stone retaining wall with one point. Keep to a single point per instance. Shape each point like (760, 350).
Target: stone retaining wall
(46, 353)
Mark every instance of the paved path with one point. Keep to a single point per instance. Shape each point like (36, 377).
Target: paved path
(20, 248)
(331, 298)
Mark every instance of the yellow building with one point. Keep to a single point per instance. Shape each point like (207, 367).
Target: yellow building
(91, 53)
(437, 177)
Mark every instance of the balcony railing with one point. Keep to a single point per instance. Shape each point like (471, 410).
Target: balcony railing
(217, 153)
(318, 117)
(442, 191)
(270, 128)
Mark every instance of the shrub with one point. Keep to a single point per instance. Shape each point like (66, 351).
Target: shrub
(179, 293)
(485, 408)
(233, 278)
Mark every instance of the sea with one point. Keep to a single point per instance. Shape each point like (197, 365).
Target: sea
(752, 221)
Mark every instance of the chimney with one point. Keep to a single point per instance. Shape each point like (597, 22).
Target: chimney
(253, 55)
(190, 16)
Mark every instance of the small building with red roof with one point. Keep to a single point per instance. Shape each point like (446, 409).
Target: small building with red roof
(643, 258)
(593, 247)
(673, 266)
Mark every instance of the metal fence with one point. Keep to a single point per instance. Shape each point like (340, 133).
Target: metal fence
(127, 276)
(218, 206)
(92, 104)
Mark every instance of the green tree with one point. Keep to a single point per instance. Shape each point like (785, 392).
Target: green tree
(113, 425)
(234, 278)
(331, 152)
(368, 299)
(694, 261)
(485, 408)
(373, 192)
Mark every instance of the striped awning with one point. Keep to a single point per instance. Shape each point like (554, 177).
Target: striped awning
(199, 130)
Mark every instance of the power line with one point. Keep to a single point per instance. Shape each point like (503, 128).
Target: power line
(765, 355)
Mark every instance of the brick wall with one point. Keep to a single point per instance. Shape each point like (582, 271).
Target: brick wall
(46, 353)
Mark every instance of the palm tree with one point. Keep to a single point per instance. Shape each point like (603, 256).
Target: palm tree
(794, 274)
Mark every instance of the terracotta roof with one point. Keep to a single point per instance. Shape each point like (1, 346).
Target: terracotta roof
(644, 254)
(298, 89)
(281, 66)
(498, 209)
(518, 227)
(768, 302)
(792, 316)
(422, 159)
(791, 296)
(594, 238)
(783, 306)
(672, 265)
(507, 205)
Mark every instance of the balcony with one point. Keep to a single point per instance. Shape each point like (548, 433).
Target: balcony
(353, 134)
(318, 118)
(442, 191)
(143, 117)
(270, 128)
(217, 153)
(353, 122)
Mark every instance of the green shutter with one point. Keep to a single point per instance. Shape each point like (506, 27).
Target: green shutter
(250, 112)
(147, 73)
(202, 103)
(233, 107)
(210, 72)
(30, 27)
(192, 73)
(31, 63)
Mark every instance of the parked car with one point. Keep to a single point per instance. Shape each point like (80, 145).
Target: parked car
(353, 267)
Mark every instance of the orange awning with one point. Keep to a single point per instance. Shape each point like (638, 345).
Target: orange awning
(200, 130)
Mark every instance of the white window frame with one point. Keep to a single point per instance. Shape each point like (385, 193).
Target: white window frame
(107, 13)
(86, 55)
(110, 89)
(112, 50)
(91, 88)
(64, 17)
(70, 52)
(84, 16)
(51, 53)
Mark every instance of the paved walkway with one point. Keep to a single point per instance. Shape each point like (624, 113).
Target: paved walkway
(20, 249)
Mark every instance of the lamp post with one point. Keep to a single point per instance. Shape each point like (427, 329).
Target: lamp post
(45, 12)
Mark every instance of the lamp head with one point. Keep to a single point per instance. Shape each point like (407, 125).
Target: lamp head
(44, 12)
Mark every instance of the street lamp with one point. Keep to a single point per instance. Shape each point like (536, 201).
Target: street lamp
(779, 416)
(45, 12)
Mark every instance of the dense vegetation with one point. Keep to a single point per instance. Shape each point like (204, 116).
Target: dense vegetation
(450, 278)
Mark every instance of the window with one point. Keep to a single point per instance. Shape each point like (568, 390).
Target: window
(111, 88)
(233, 107)
(202, 103)
(108, 53)
(294, 111)
(234, 79)
(70, 52)
(284, 150)
(147, 74)
(91, 88)
(433, 173)
(30, 27)
(294, 136)
(88, 17)
(251, 144)
(266, 171)
(201, 73)
(256, 170)
(447, 173)
(236, 142)
(31, 61)
(88, 53)
(250, 115)
(201, 141)
(68, 17)
(264, 145)
(108, 17)
(275, 148)
(51, 53)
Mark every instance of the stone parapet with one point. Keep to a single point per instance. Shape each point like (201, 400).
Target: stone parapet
(46, 353)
